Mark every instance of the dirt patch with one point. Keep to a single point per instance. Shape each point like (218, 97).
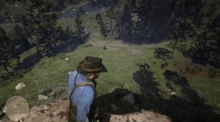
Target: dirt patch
(136, 52)
(190, 70)
(115, 46)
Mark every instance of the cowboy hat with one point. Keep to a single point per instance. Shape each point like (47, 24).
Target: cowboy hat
(91, 64)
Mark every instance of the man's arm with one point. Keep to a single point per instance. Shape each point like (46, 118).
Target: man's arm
(71, 82)
(84, 103)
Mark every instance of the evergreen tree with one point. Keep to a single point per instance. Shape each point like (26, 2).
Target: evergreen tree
(80, 29)
(197, 29)
(103, 29)
(7, 47)
(125, 24)
(68, 29)
(41, 26)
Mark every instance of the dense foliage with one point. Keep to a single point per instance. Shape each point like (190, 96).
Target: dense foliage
(7, 47)
(80, 29)
(36, 28)
(192, 24)
(197, 30)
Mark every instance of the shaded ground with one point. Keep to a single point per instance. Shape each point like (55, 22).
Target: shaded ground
(178, 109)
(153, 25)
(28, 63)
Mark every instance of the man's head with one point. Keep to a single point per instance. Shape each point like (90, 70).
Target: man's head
(93, 75)
(91, 67)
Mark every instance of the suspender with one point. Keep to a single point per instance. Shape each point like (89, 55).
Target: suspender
(76, 86)
(73, 89)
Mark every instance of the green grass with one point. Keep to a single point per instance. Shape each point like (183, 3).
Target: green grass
(68, 21)
(121, 67)
(56, 69)
(8, 27)
(28, 53)
(120, 64)
(209, 88)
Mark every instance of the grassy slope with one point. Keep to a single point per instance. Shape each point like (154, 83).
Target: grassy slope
(209, 88)
(120, 64)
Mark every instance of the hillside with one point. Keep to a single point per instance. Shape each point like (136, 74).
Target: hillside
(142, 59)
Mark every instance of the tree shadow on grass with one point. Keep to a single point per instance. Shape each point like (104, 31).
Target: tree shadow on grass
(29, 61)
(178, 109)
(162, 54)
(189, 103)
(186, 90)
(69, 46)
(144, 77)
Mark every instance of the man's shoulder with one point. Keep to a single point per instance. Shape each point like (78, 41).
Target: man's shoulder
(74, 73)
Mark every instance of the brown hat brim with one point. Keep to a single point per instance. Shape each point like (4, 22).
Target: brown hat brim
(79, 68)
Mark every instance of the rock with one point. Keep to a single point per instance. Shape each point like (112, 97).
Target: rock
(173, 93)
(42, 97)
(114, 107)
(52, 93)
(143, 116)
(44, 107)
(70, 73)
(129, 98)
(6, 120)
(87, 12)
(20, 86)
(66, 59)
(58, 112)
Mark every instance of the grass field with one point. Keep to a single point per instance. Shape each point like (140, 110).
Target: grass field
(120, 59)
(121, 66)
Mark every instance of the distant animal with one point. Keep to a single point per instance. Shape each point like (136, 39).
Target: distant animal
(104, 48)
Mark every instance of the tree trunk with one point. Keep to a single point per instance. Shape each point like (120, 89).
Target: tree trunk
(111, 27)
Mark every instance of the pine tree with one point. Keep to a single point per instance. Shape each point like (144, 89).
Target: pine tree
(102, 28)
(80, 29)
(7, 47)
(41, 26)
(197, 29)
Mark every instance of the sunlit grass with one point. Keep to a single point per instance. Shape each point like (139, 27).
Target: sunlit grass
(27, 53)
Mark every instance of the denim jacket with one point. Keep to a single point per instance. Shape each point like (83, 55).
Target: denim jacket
(83, 97)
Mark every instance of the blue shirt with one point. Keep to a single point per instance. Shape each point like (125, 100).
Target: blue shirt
(83, 97)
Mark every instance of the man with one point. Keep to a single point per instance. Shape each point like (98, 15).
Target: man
(82, 89)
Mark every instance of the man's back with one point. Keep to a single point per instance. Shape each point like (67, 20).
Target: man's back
(83, 97)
